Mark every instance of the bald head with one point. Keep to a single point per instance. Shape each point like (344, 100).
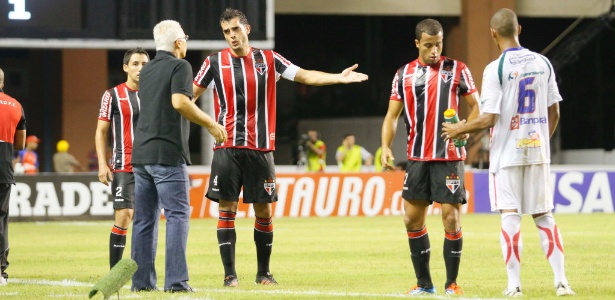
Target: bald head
(505, 23)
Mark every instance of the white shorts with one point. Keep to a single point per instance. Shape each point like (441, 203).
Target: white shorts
(524, 188)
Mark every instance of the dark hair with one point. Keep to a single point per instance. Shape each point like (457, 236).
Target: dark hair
(231, 13)
(130, 52)
(428, 26)
(347, 135)
(505, 23)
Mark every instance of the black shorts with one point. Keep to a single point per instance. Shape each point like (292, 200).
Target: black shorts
(234, 168)
(123, 190)
(437, 181)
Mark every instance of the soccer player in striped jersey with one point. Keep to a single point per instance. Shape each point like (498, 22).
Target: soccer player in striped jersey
(520, 102)
(243, 80)
(423, 89)
(119, 110)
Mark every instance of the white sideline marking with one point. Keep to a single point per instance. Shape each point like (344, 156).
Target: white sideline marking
(71, 223)
(65, 295)
(63, 282)
(72, 282)
(315, 293)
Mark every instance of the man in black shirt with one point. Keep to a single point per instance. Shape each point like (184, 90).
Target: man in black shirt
(160, 155)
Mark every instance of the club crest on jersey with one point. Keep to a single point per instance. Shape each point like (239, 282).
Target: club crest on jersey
(446, 74)
(260, 66)
(453, 182)
(514, 123)
(269, 186)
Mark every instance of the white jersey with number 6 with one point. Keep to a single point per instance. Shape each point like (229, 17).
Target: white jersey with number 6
(519, 87)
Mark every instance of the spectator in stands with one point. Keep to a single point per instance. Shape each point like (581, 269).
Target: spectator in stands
(64, 162)
(28, 157)
(316, 152)
(350, 157)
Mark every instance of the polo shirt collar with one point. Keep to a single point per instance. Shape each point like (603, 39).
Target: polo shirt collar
(163, 53)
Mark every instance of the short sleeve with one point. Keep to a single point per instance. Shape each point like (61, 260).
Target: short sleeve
(395, 95)
(204, 78)
(181, 80)
(339, 152)
(491, 95)
(466, 82)
(105, 112)
(21, 125)
(284, 67)
(365, 154)
(554, 95)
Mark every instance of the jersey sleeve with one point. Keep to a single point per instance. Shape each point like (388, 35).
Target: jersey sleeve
(181, 80)
(204, 78)
(284, 67)
(365, 154)
(339, 152)
(395, 91)
(21, 125)
(491, 95)
(553, 92)
(466, 82)
(105, 112)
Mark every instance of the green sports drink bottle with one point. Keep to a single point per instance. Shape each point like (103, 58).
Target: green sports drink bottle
(450, 116)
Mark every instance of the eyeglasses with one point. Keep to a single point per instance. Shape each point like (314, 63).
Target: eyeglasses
(184, 38)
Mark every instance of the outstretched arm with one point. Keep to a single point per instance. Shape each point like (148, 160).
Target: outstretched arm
(484, 121)
(311, 77)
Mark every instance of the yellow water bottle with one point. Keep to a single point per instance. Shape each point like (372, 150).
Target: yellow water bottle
(450, 116)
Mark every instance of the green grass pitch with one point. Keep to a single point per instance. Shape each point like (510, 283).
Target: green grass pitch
(316, 258)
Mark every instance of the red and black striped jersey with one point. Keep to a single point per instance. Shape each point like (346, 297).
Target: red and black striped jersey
(245, 95)
(120, 106)
(427, 91)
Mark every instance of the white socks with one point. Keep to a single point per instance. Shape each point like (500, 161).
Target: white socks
(553, 246)
(510, 240)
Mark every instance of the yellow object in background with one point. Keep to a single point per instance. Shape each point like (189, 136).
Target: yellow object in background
(62, 146)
